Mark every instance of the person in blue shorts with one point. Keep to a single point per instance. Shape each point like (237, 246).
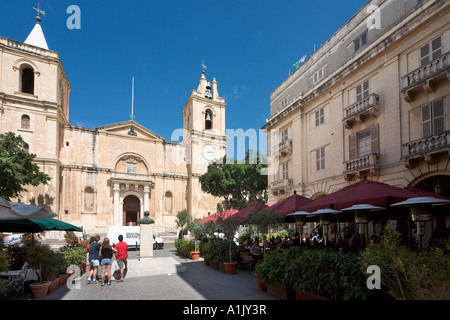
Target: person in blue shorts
(94, 259)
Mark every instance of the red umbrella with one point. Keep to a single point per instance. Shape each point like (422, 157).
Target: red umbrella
(290, 205)
(244, 213)
(363, 192)
(215, 216)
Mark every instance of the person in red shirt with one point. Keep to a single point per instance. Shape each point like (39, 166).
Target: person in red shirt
(121, 256)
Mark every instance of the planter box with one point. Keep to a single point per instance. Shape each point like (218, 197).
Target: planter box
(213, 264)
(281, 292)
(54, 284)
(221, 266)
(261, 284)
(206, 262)
(304, 295)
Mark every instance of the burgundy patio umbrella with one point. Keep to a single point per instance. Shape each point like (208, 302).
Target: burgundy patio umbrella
(363, 192)
(217, 215)
(290, 205)
(254, 207)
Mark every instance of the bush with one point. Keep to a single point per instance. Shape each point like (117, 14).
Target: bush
(321, 272)
(74, 256)
(406, 274)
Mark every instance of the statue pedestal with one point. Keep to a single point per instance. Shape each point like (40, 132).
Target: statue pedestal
(146, 242)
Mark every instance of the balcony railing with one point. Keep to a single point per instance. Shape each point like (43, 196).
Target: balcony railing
(361, 109)
(362, 165)
(285, 147)
(281, 185)
(424, 76)
(426, 147)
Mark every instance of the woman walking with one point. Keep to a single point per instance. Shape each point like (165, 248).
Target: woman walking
(106, 252)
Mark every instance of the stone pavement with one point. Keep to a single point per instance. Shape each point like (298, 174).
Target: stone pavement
(168, 277)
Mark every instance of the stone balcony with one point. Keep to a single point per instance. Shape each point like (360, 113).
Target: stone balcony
(285, 147)
(368, 164)
(281, 186)
(361, 110)
(428, 149)
(426, 77)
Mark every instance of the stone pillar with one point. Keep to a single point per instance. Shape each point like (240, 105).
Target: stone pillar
(146, 237)
(146, 198)
(116, 205)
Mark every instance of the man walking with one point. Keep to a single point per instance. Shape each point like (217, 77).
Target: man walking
(121, 256)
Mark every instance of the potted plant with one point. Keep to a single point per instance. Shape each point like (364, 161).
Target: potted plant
(37, 257)
(229, 227)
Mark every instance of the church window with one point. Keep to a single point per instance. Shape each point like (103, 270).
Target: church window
(89, 199)
(131, 167)
(168, 202)
(27, 79)
(25, 121)
(208, 119)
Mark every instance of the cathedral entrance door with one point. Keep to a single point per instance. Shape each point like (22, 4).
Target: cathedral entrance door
(131, 211)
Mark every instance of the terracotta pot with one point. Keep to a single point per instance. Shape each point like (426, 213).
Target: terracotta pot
(63, 279)
(40, 289)
(54, 284)
(206, 262)
(213, 264)
(261, 284)
(221, 266)
(195, 255)
(304, 295)
(230, 267)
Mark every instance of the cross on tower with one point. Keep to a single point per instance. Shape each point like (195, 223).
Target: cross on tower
(203, 65)
(38, 10)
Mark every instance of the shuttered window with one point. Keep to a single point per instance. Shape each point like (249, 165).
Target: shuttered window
(364, 143)
(433, 118)
(430, 51)
(320, 159)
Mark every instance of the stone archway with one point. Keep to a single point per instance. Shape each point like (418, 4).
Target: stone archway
(131, 210)
(436, 183)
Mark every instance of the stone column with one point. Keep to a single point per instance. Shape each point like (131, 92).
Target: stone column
(116, 205)
(146, 198)
(146, 237)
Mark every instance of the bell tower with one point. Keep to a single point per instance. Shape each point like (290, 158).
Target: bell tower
(204, 139)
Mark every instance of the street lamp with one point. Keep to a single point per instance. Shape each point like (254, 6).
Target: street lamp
(420, 210)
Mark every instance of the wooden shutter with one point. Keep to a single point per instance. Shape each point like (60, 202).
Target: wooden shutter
(352, 146)
(426, 121)
(374, 139)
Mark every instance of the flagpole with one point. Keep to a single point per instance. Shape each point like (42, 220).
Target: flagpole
(132, 98)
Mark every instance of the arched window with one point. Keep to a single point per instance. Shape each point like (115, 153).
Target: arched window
(25, 122)
(168, 202)
(208, 119)
(26, 147)
(89, 199)
(27, 79)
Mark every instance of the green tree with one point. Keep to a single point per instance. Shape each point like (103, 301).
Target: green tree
(183, 219)
(16, 167)
(239, 183)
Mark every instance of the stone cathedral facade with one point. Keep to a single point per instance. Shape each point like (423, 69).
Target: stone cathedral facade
(110, 175)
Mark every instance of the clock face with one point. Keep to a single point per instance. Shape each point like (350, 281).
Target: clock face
(209, 152)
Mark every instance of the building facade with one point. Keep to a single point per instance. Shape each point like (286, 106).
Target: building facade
(373, 102)
(110, 175)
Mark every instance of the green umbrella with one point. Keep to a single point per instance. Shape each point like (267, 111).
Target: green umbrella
(36, 225)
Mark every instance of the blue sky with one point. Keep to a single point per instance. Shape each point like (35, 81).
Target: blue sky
(249, 46)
